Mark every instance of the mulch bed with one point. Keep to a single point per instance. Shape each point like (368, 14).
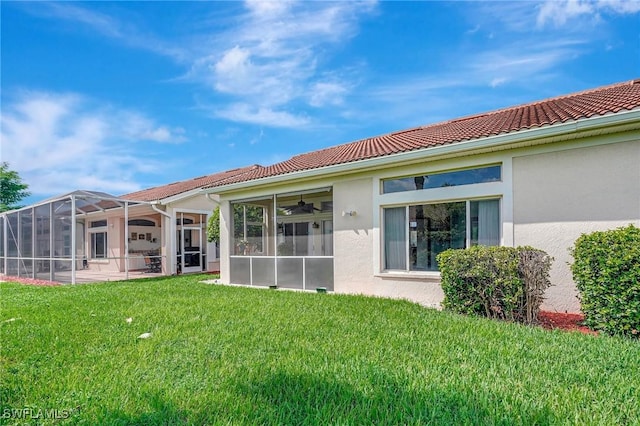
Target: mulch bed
(563, 321)
(30, 281)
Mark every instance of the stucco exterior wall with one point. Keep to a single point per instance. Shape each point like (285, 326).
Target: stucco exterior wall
(560, 195)
(197, 202)
(356, 249)
(352, 236)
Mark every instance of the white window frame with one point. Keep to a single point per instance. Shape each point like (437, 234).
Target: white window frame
(407, 230)
(502, 190)
(92, 251)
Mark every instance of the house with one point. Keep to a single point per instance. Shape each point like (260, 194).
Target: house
(370, 217)
(366, 217)
(93, 236)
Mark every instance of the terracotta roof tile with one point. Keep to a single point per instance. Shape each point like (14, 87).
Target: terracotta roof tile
(175, 188)
(599, 101)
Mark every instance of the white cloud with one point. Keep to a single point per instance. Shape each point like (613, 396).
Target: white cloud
(270, 56)
(427, 97)
(498, 81)
(559, 12)
(516, 55)
(246, 113)
(107, 26)
(99, 22)
(268, 9)
(138, 127)
(62, 142)
(235, 61)
(327, 93)
(521, 63)
(163, 134)
(273, 57)
(258, 138)
(620, 6)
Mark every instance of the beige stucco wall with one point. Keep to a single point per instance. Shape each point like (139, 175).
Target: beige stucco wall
(356, 250)
(560, 195)
(352, 236)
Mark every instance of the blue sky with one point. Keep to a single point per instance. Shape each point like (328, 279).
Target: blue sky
(120, 96)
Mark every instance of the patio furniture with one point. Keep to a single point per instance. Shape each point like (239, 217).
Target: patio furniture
(153, 264)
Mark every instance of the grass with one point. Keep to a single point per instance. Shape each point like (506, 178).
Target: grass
(230, 355)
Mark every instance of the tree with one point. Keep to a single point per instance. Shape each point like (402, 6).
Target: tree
(12, 189)
(213, 227)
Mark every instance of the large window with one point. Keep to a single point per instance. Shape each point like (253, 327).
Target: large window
(415, 234)
(442, 179)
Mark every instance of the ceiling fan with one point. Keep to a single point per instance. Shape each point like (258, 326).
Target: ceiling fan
(301, 207)
(302, 204)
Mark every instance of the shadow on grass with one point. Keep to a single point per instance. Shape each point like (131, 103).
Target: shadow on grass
(284, 399)
(305, 399)
(160, 412)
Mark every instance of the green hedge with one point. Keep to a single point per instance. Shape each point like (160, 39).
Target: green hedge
(496, 282)
(606, 270)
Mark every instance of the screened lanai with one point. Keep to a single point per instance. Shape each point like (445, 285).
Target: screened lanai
(283, 240)
(79, 237)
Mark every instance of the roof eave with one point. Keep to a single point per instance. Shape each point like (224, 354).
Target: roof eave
(538, 135)
(179, 197)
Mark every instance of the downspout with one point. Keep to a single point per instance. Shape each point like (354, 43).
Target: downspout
(172, 236)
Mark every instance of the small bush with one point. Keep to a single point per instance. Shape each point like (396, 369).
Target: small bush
(606, 271)
(496, 282)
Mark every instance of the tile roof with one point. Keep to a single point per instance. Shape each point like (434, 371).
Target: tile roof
(576, 106)
(175, 188)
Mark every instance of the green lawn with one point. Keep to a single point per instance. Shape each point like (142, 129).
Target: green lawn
(229, 355)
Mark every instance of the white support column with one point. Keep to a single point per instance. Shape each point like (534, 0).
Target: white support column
(275, 238)
(508, 238)
(73, 239)
(172, 253)
(33, 242)
(52, 263)
(4, 242)
(126, 240)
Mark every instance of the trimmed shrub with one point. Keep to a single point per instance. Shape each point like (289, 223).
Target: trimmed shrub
(505, 283)
(606, 270)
